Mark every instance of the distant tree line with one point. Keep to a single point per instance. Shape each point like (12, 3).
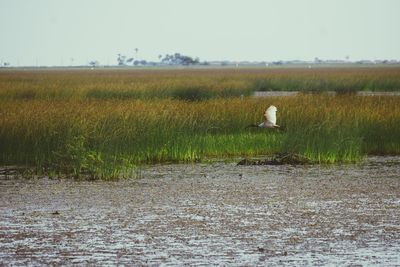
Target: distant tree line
(173, 59)
(179, 59)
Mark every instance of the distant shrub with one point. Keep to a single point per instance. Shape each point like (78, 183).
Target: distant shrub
(26, 94)
(263, 85)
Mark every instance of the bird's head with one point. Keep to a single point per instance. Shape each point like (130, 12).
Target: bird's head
(272, 108)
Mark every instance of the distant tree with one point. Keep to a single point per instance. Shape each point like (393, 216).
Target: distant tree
(94, 63)
(280, 62)
(136, 52)
(121, 60)
(317, 60)
(179, 59)
(167, 59)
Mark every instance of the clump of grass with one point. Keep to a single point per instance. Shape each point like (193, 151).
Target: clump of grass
(76, 159)
(324, 144)
(193, 93)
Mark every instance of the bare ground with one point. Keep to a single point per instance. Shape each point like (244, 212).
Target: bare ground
(208, 214)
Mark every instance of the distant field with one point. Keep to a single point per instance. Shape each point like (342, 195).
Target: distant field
(102, 122)
(189, 84)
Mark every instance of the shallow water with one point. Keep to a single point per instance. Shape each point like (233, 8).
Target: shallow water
(208, 214)
(293, 93)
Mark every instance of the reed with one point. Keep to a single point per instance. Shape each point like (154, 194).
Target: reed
(107, 137)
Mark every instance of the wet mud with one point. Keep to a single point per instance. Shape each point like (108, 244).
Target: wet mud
(208, 214)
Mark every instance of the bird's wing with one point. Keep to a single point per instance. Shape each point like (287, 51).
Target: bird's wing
(270, 115)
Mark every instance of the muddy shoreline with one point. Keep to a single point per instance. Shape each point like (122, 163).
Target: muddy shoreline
(208, 214)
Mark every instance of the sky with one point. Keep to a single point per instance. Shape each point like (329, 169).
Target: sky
(74, 32)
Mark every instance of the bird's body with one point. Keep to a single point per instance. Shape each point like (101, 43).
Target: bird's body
(269, 119)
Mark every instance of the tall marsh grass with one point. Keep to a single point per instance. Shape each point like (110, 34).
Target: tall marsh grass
(190, 84)
(106, 136)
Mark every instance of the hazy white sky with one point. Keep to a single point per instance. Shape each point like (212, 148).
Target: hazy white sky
(53, 32)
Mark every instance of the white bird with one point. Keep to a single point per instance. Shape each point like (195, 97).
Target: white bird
(269, 119)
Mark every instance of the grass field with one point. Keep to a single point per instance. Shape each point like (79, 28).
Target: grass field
(189, 84)
(103, 123)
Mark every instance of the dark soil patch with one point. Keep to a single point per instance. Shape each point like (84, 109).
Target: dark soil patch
(278, 159)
